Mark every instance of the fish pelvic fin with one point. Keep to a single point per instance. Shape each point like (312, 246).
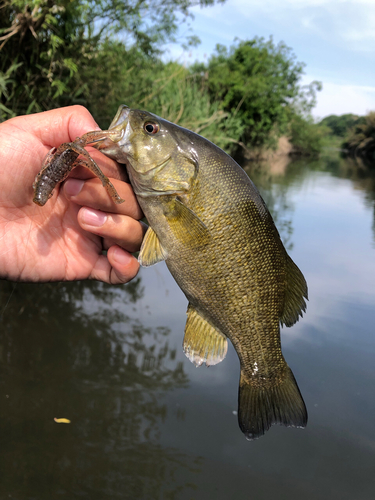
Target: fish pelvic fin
(295, 294)
(151, 250)
(264, 403)
(203, 343)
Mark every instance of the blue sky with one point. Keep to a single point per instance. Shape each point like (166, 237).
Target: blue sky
(334, 38)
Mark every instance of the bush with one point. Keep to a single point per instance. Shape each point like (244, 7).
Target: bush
(48, 48)
(307, 137)
(340, 125)
(361, 139)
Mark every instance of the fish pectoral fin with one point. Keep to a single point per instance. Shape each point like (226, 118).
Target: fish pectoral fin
(295, 294)
(203, 343)
(151, 250)
(187, 226)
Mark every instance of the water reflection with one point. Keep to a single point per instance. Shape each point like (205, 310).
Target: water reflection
(363, 177)
(66, 352)
(270, 180)
(275, 180)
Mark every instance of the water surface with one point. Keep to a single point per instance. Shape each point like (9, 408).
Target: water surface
(147, 424)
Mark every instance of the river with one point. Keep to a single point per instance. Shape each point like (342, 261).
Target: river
(147, 424)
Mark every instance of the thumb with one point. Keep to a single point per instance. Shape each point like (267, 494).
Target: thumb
(119, 266)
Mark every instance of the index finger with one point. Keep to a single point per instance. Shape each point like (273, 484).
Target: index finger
(60, 125)
(90, 193)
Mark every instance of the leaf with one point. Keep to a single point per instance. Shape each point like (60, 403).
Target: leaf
(62, 420)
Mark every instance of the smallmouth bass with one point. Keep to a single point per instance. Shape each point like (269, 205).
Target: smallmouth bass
(211, 226)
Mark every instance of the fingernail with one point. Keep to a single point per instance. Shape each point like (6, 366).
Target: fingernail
(121, 257)
(73, 187)
(93, 217)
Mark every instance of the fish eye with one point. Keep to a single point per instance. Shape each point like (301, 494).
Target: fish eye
(151, 128)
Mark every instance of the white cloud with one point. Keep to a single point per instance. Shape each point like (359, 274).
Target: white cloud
(350, 22)
(335, 38)
(337, 99)
(361, 33)
(276, 5)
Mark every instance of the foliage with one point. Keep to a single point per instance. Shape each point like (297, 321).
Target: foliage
(257, 83)
(46, 45)
(361, 140)
(180, 96)
(166, 89)
(101, 54)
(307, 137)
(340, 125)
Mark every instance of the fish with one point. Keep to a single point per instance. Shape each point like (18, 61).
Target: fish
(210, 225)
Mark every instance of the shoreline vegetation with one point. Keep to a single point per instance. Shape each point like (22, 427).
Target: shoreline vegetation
(248, 98)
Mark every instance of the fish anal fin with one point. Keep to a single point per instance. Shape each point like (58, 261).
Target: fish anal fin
(261, 405)
(295, 294)
(151, 250)
(186, 225)
(203, 343)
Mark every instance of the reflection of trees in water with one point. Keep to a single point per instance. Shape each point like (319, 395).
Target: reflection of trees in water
(275, 187)
(66, 352)
(274, 190)
(362, 174)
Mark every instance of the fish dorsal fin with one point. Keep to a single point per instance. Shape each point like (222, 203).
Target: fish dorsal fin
(203, 343)
(295, 294)
(187, 226)
(151, 250)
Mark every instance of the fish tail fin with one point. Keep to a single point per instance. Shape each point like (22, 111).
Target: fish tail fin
(260, 406)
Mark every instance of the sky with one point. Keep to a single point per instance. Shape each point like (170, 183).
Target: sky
(334, 38)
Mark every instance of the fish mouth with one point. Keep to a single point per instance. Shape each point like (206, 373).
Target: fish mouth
(121, 118)
(116, 145)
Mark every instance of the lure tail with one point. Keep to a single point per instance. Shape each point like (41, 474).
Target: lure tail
(260, 406)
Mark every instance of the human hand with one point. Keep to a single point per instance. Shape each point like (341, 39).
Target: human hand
(65, 239)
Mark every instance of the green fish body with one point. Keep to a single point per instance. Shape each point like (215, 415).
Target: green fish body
(211, 226)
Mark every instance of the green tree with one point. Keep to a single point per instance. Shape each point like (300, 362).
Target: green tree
(46, 46)
(340, 125)
(361, 140)
(258, 82)
(308, 138)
